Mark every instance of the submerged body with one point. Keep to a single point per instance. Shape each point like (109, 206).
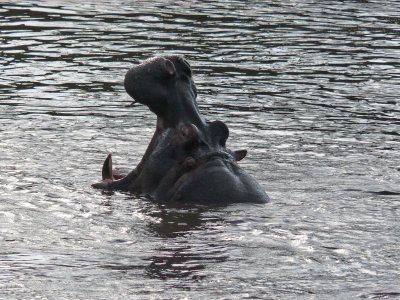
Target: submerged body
(187, 158)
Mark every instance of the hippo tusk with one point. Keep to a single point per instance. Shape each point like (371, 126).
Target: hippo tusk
(106, 172)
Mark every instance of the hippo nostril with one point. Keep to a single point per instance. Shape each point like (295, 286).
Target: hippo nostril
(169, 67)
(189, 162)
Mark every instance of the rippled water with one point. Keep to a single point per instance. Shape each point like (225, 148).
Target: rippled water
(310, 88)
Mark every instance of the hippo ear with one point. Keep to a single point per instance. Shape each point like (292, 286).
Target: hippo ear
(239, 154)
(169, 67)
(219, 132)
(106, 173)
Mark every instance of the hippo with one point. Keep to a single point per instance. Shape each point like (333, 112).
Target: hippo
(187, 158)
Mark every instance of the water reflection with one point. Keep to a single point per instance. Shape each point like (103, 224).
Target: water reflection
(171, 225)
(178, 262)
(177, 220)
(174, 222)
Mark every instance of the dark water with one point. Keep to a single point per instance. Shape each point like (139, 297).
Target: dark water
(310, 88)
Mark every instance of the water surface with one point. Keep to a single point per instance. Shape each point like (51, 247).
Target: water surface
(309, 88)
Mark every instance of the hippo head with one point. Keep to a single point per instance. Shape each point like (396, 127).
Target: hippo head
(203, 170)
(187, 158)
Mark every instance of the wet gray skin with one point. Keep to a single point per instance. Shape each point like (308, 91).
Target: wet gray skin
(187, 158)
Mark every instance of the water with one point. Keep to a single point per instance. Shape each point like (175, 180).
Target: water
(310, 88)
